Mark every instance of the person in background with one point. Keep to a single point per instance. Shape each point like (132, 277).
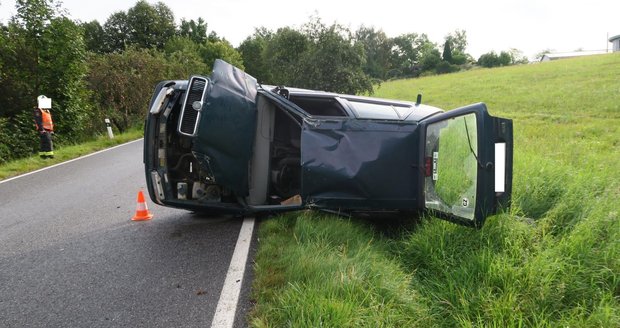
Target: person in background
(45, 127)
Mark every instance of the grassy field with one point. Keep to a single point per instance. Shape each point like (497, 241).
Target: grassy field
(552, 261)
(66, 153)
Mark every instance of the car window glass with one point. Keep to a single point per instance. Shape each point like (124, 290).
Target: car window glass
(451, 153)
(319, 106)
(374, 111)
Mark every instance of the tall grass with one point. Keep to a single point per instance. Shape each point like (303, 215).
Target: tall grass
(553, 260)
(322, 271)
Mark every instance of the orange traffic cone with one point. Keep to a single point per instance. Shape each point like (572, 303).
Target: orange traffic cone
(142, 212)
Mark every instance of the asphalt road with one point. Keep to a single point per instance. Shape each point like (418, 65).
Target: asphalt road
(71, 257)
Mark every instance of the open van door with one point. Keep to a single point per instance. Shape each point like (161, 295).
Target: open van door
(467, 164)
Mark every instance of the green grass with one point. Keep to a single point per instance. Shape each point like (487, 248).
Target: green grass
(553, 260)
(61, 154)
(315, 271)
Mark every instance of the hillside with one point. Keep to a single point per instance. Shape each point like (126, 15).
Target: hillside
(553, 260)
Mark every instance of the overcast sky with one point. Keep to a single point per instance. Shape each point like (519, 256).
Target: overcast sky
(528, 25)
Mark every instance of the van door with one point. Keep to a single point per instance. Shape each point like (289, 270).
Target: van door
(362, 165)
(467, 164)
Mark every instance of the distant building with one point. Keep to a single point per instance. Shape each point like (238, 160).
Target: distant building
(564, 55)
(615, 41)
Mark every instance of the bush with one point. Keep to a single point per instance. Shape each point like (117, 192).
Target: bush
(445, 67)
(491, 59)
(17, 137)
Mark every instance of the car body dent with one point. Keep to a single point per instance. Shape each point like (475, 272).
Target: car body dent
(359, 164)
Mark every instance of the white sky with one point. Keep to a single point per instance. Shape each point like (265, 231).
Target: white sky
(528, 25)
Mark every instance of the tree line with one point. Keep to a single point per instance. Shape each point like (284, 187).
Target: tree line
(94, 71)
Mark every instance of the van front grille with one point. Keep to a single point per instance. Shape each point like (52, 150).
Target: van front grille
(189, 116)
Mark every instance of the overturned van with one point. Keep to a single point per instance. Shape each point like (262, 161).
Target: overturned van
(226, 144)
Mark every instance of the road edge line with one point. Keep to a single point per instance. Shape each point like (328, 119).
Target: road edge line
(229, 297)
(69, 161)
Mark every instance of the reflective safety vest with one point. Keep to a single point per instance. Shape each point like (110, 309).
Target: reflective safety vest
(46, 117)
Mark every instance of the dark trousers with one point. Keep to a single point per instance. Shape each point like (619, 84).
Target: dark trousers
(47, 147)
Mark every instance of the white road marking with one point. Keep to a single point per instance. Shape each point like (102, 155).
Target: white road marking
(69, 161)
(227, 305)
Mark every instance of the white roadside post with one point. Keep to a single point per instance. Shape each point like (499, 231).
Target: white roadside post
(109, 127)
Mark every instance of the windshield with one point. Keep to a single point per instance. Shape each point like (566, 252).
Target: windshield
(452, 166)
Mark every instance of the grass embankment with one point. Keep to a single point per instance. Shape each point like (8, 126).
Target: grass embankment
(553, 261)
(66, 153)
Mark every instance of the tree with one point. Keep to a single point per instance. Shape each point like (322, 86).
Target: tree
(377, 49)
(3, 40)
(32, 19)
(42, 52)
(124, 83)
(252, 51)
(184, 56)
(316, 56)
(94, 36)
(459, 58)
(447, 51)
(63, 68)
(407, 52)
(283, 55)
(116, 32)
(213, 37)
(194, 30)
(18, 67)
(505, 59)
(150, 26)
(211, 51)
(429, 59)
(458, 40)
(333, 62)
(143, 25)
(491, 59)
(15, 121)
(517, 56)
(45, 52)
(444, 67)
